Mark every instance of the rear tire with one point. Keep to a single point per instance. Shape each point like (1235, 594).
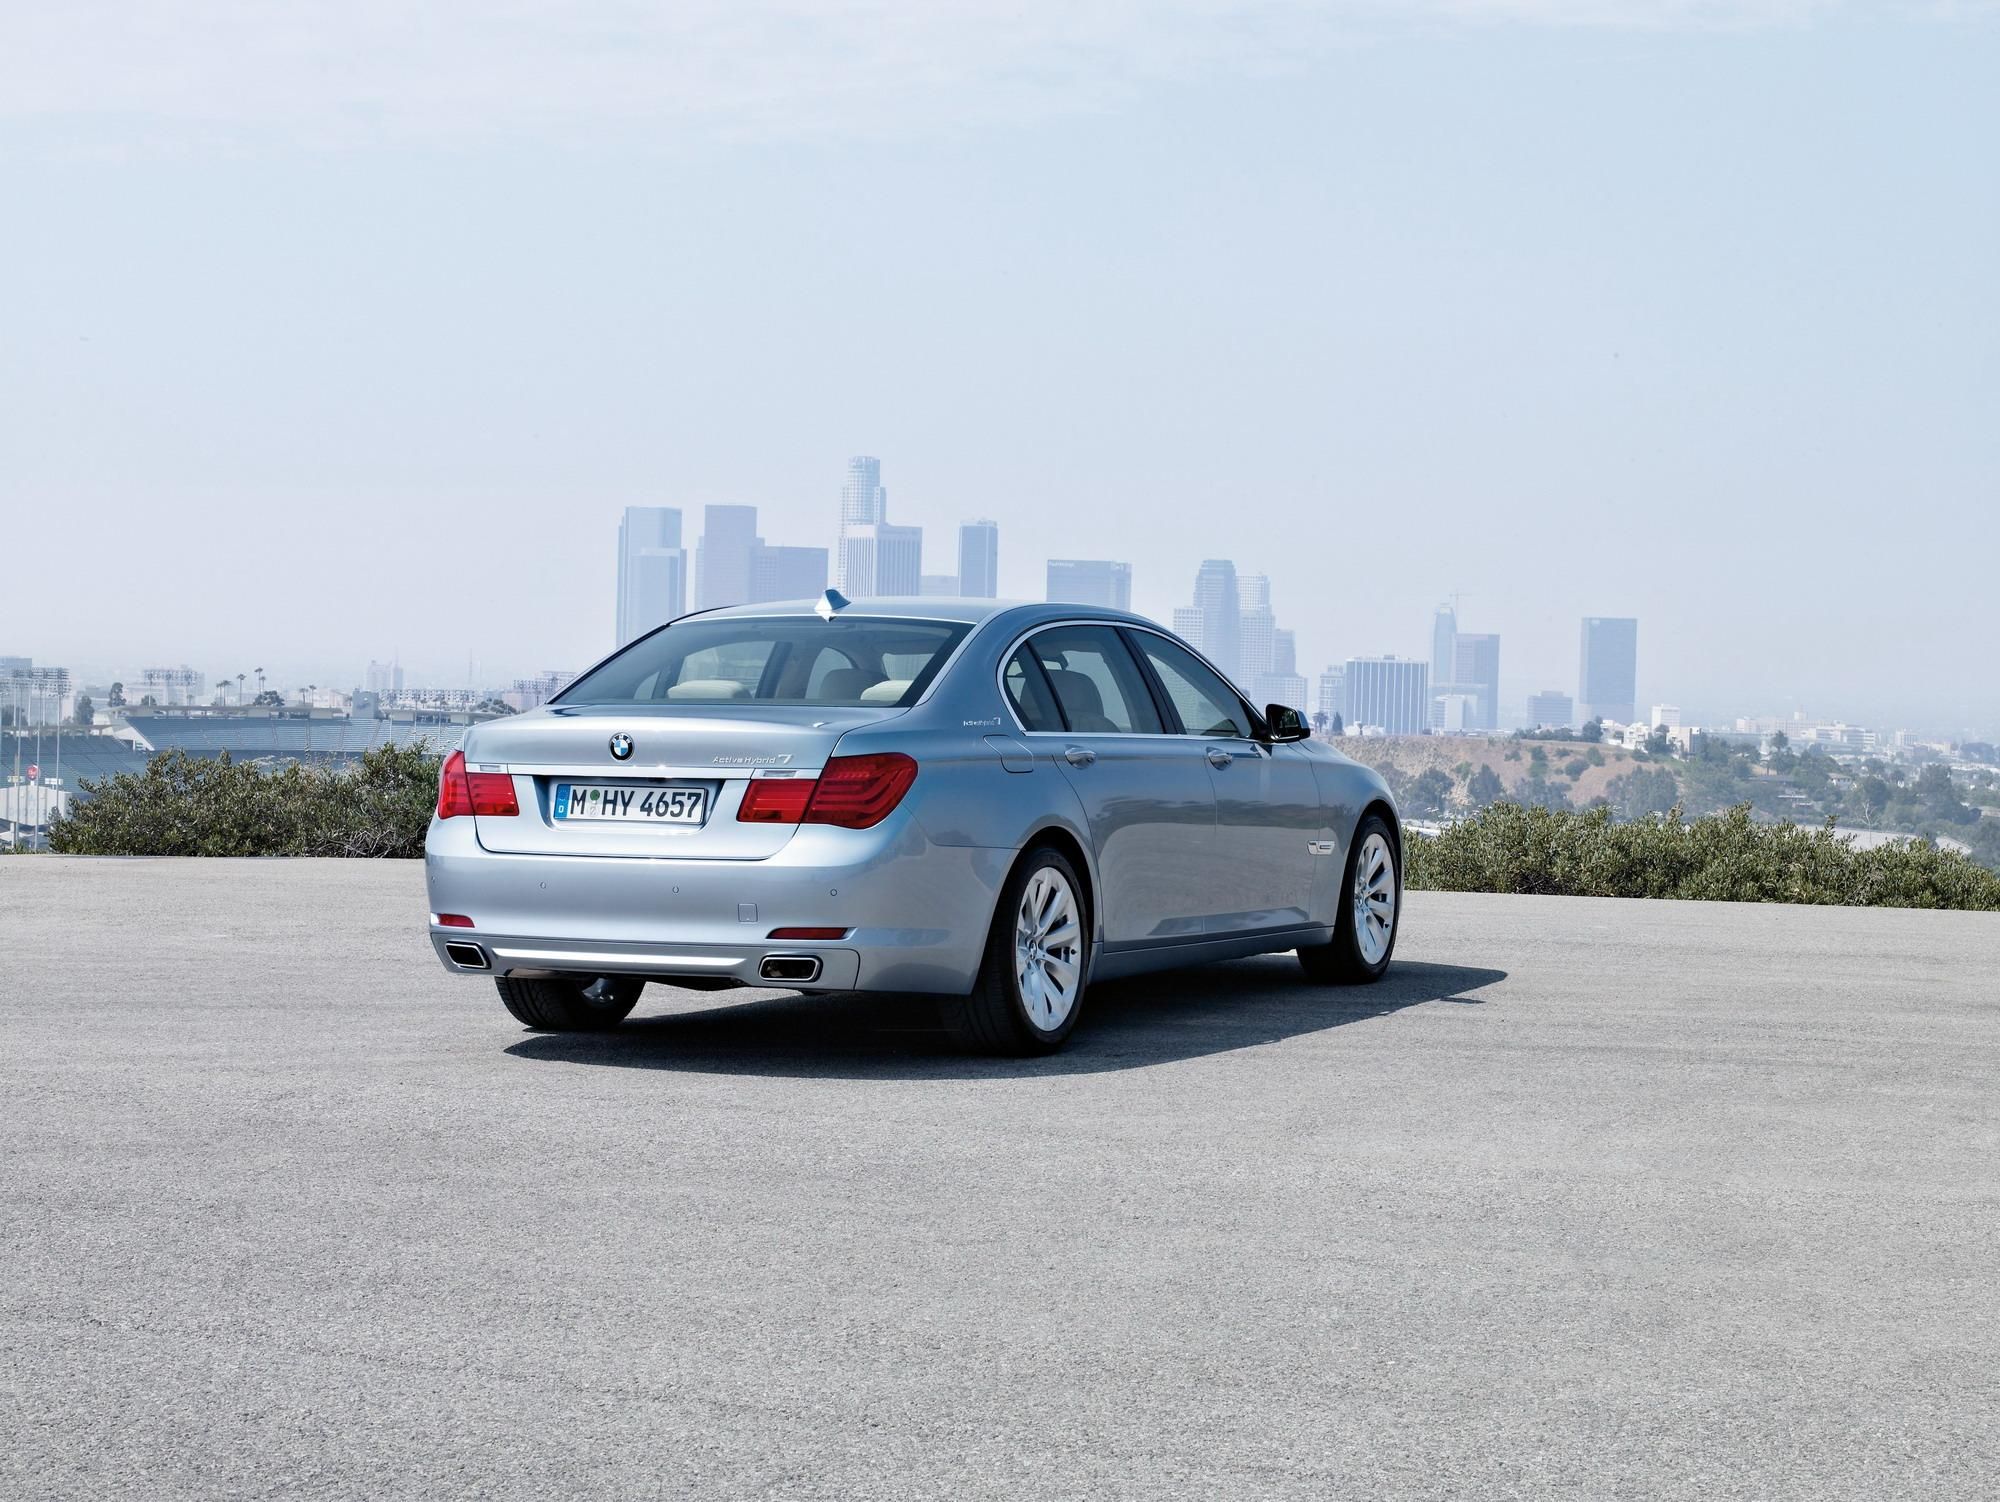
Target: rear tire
(570, 1003)
(1371, 895)
(1031, 981)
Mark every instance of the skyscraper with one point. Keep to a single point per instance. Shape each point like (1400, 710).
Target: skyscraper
(1221, 610)
(1333, 694)
(979, 560)
(1388, 693)
(779, 573)
(1256, 629)
(863, 503)
(722, 557)
(1476, 671)
(1444, 648)
(1608, 668)
(652, 570)
(883, 560)
(1090, 581)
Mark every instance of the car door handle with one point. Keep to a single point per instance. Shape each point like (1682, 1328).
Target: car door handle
(1079, 756)
(1217, 757)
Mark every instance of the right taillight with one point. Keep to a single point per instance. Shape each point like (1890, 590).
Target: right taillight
(854, 792)
(858, 791)
(463, 792)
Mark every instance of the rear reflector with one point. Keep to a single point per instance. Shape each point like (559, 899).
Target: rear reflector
(857, 792)
(775, 800)
(463, 792)
(808, 933)
(451, 920)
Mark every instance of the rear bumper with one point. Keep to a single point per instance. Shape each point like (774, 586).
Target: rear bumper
(916, 913)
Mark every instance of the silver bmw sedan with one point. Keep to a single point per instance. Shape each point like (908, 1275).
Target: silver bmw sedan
(995, 803)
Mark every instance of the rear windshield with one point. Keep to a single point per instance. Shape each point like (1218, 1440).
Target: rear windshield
(779, 660)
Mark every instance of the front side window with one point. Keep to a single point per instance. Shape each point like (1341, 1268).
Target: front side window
(791, 660)
(1207, 706)
(1097, 685)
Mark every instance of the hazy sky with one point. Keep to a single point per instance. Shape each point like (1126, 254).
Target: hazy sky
(330, 333)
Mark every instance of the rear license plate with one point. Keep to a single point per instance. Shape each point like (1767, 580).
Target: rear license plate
(630, 805)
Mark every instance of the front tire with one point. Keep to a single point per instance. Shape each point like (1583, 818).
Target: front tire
(1030, 987)
(1371, 911)
(570, 1003)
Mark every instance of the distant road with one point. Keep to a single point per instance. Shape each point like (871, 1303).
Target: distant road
(1590, 1199)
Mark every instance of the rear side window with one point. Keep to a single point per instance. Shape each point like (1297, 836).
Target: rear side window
(792, 660)
(1097, 685)
(1207, 706)
(1028, 691)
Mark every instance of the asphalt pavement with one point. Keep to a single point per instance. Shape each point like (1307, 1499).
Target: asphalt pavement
(1588, 1199)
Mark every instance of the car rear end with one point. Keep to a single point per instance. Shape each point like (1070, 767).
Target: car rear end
(722, 806)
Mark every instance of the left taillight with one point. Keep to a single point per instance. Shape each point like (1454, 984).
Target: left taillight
(461, 792)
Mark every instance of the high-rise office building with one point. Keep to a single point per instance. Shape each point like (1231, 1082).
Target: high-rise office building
(1090, 581)
(1283, 684)
(652, 570)
(782, 573)
(1221, 612)
(722, 556)
(1551, 709)
(1256, 628)
(883, 560)
(1476, 673)
(1389, 694)
(863, 503)
(1332, 694)
(1608, 668)
(1444, 644)
(979, 560)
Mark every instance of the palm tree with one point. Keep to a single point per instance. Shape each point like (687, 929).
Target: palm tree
(239, 690)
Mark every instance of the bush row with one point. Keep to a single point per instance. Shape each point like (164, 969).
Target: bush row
(378, 805)
(381, 804)
(1723, 858)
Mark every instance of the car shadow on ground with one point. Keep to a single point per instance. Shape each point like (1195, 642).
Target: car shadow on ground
(1127, 1024)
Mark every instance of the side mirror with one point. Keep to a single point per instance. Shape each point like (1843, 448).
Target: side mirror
(1285, 724)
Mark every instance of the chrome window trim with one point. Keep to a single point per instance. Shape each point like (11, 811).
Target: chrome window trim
(1020, 727)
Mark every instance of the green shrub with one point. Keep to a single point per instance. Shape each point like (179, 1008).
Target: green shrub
(1724, 858)
(197, 805)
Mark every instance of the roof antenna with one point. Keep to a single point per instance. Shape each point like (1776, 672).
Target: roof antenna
(829, 602)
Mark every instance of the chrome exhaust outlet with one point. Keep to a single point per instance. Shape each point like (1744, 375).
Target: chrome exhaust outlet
(467, 956)
(799, 969)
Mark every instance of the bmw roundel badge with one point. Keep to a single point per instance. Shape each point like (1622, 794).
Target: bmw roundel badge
(621, 746)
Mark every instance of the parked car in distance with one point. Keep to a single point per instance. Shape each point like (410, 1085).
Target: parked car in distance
(995, 803)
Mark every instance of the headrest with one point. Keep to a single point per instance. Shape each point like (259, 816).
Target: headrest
(845, 685)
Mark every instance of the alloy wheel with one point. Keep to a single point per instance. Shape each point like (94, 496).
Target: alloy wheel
(1048, 947)
(1374, 899)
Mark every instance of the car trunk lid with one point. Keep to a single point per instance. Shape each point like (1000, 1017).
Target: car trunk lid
(565, 769)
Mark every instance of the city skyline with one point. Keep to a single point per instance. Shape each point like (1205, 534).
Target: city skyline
(731, 562)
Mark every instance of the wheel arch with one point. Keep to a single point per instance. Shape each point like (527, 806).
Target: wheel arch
(1387, 811)
(1061, 838)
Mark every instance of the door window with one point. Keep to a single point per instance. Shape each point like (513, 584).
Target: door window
(1207, 706)
(1028, 689)
(1097, 685)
